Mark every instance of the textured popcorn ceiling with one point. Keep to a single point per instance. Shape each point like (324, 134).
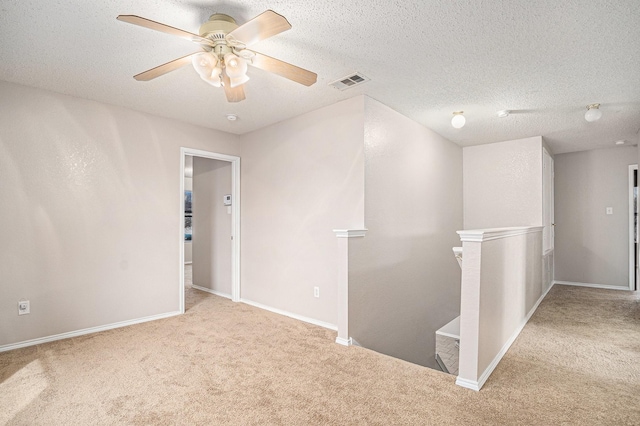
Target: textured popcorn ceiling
(545, 60)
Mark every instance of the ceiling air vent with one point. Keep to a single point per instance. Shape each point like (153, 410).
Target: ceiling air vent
(349, 81)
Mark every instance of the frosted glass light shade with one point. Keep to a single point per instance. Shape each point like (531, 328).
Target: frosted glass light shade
(214, 78)
(235, 66)
(237, 81)
(593, 113)
(458, 120)
(204, 63)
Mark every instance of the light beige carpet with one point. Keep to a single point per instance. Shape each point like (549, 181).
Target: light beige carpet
(222, 363)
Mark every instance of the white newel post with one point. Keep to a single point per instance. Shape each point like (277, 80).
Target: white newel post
(343, 281)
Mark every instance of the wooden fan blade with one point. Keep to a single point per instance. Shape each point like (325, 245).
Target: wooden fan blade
(263, 26)
(284, 69)
(234, 94)
(164, 68)
(157, 26)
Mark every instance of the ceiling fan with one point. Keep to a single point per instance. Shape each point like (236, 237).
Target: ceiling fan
(224, 57)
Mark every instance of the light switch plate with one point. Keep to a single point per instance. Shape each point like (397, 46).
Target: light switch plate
(609, 210)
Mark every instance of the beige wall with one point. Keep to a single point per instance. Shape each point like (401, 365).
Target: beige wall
(301, 179)
(591, 246)
(501, 285)
(211, 225)
(503, 184)
(90, 213)
(404, 281)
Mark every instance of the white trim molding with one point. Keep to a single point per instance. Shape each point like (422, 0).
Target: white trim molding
(84, 331)
(208, 290)
(473, 385)
(343, 236)
(344, 342)
(632, 229)
(350, 233)
(291, 315)
(481, 235)
(235, 219)
(605, 286)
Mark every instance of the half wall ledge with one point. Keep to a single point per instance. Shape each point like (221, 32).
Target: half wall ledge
(501, 289)
(343, 282)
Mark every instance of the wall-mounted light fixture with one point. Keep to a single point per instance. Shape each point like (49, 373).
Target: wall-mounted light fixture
(458, 120)
(593, 113)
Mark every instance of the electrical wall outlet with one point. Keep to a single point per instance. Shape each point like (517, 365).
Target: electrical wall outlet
(316, 292)
(24, 307)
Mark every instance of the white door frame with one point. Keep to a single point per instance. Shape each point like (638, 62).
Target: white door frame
(235, 218)
(632, 247)
(548, 179)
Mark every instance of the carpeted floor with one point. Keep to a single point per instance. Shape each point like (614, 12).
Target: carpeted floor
(223, 363)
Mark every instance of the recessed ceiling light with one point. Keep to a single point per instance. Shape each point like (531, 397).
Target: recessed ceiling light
(232, 117)
(504, 113)
(620, 142)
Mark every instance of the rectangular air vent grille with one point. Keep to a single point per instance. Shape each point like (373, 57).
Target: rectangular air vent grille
(349, 81)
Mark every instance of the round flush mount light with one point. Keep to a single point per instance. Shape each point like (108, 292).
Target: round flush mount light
(232, 117)
(458, 120)
(504, 113)
(620, 142)
(593, 113)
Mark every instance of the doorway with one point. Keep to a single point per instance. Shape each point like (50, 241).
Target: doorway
(633, 227)
(233, 207)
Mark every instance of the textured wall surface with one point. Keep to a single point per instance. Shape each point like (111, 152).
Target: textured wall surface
(591, 246)
(211, 225)
(404, 281)
(301, 179)
(503, 184)
(502, 282)
(90, 224)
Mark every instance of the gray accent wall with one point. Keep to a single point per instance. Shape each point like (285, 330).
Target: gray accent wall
(404, 281)
(591, 246)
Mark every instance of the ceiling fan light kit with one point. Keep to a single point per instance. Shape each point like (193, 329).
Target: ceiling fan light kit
(593, 113)
(224, 59)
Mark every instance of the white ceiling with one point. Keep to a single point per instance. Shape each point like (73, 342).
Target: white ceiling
(544, 60)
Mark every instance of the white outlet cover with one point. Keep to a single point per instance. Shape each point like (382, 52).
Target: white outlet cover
(609, 210)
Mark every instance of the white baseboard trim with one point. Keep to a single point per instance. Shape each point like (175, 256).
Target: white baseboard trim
(469, 384)
(208, 290)
(477, 385)
(291, 315)
(605, 286)
(84, 331)
(344, 342)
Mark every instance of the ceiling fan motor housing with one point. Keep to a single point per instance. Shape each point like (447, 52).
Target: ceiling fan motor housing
(218, 26)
